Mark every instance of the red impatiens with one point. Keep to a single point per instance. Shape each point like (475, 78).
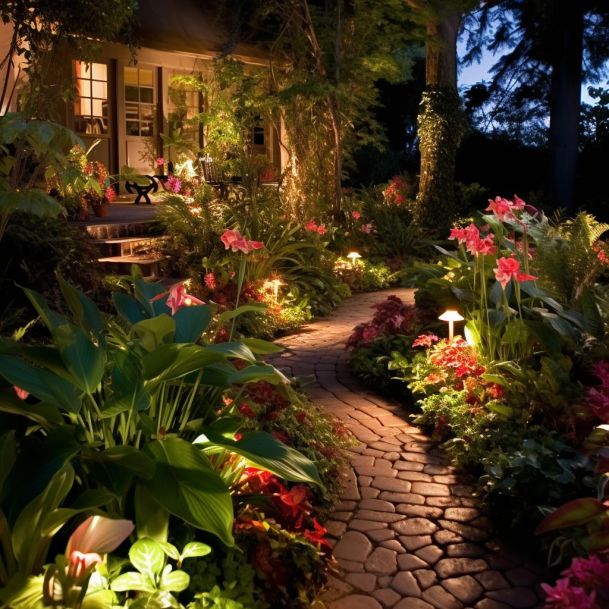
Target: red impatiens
(235, 241)
(313, 227)
(425, 340)
(509, 268)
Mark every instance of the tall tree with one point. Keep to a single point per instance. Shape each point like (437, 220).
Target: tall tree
(441, 123)
(326, 59)
(548, 49)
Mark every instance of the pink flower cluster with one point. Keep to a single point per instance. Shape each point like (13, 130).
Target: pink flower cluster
(235, 241)
(313, 227)
(582, 582)
(425, 340)
(178, 298)
(503, 208)
(210, 281)
(160, 162)
(474, 243)
(393, 317)
(174, 184)
(509, 268)
(368, 229)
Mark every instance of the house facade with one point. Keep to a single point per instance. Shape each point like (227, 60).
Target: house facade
(128, 105)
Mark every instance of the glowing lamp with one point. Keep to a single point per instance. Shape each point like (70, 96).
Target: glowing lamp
(353, 257)
(274, 284)
(451, 316)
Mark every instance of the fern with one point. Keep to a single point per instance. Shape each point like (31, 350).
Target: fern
(566, 260)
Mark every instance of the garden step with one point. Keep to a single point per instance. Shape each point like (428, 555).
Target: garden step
(117, 230)
(150, 264)
(128, 246)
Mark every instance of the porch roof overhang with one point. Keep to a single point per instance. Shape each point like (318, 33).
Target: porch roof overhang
(187, 26)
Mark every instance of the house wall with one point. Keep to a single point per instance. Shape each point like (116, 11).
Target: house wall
(118, 147)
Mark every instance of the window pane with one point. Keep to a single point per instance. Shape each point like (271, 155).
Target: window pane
(131, 76)
(133, 128)
(146, 129)
(99, 89)
(131, 93)
(146, 95)
(145, 78)
(83, 87)
(99, 71)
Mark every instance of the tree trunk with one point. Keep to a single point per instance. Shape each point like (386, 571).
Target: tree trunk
(565, 100)
(441, 126)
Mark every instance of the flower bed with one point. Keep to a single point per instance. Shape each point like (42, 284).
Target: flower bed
(521, 400)
(188, 471)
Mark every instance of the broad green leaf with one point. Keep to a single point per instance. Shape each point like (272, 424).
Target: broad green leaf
(154, 332)
(191, 322)
(151, 519)
(175, 581)
(170, 550)
(150, 296)
(42, 384)
(132, 581)
(85, 311)
(82, 358)
(130, 458)
(236, 349)
(28, 531)
(262, 347)
(185, 485)
(257, 373)
(128, 308)
(195, 549)
(572, 514)
(51, 319)
(23, 592)
(31, 201)
(100, 599)
(147, 557)
(266, 452)
(173, 361)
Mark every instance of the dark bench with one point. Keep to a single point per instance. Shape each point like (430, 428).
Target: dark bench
(143, 190)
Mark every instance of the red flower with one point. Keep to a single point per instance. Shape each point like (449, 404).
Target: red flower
(509, 268)
(22, 394)
(317, 535)
(321, 229)
(246, 410)
(425, 340)
(110, 194)
(356, 215)
(311, 225)
(210, 281)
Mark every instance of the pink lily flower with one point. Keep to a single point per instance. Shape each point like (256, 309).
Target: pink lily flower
(178, 298)
(235, 241)
(508, 268)
(95, 536)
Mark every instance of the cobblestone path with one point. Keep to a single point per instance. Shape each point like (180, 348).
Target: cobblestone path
(409, 532)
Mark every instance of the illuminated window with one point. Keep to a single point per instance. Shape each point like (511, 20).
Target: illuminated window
(91, 103)
(139, 102)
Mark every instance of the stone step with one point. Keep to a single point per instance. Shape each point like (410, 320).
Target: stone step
(149, 263)
(118, 230)
(128, 246)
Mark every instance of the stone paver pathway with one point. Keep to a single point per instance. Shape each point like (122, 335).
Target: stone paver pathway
(409, 533)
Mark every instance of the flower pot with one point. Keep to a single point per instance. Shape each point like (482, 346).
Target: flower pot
(101, 210)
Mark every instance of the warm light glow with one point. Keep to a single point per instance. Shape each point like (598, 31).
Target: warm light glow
(451, 316)
(353, 257)
(186, 169)
(273, 284)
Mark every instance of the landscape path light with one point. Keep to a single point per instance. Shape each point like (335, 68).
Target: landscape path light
(451, 316)
(353, 257)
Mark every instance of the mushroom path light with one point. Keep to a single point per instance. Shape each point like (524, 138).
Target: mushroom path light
(451, 316)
